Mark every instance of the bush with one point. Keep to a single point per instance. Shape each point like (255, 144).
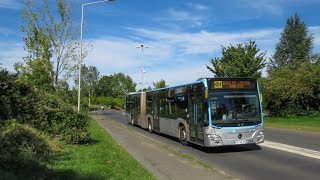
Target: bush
(294, 95)
(64, 122)
(22, 146)
(114, 102)
(45, 112)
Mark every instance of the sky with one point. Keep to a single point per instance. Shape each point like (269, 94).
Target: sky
(181, 35)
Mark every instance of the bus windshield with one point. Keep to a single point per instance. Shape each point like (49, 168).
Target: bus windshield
(234, 109)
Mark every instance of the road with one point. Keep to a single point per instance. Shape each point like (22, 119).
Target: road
(252, 161)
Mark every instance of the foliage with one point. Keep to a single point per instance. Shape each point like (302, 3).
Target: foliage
(294, 44)
(50, 37)
(160, 84)
(64, 122)
(112, 101)
(38, 72)
(111, 90)
(115, 85)
(22, 146)
(63, 91)
(293, 89)
(89, 80)
(43, 111)
(239, 61)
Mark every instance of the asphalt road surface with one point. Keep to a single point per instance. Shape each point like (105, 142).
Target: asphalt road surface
(252, 162)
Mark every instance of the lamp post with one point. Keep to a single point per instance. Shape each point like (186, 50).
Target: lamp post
(142, 70)
(80, 60)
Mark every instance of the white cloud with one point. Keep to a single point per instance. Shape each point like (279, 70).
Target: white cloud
(315, 31)
(272, 7)
(198, 6)
(177, 57)
(11, 4)
(185, 17)
(12, 55)
(207, 42)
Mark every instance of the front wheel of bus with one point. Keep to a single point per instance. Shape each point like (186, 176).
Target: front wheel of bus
(183, 136)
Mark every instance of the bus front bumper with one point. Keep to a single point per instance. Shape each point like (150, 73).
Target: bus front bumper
(233, 136)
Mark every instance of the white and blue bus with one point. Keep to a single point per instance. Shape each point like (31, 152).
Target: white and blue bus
(209, 112)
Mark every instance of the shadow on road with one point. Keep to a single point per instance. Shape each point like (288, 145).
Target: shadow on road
(228, 149)
(223, 149)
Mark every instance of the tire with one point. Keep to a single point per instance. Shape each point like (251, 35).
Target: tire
(183, 136)
(150, 126)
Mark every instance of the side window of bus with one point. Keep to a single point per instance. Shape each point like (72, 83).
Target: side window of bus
(171, 108)
(181, 102)
(163, 109)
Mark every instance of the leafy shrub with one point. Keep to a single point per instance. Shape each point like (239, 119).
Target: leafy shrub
(45, 112)
(114, 102)
(22, 146)
(294, 95)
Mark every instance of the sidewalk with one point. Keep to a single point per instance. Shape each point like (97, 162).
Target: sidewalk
(156, 158)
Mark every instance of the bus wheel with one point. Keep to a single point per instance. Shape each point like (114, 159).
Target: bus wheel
(149, 126)
(183, 136)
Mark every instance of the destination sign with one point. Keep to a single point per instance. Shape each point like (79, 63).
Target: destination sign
(233, 84)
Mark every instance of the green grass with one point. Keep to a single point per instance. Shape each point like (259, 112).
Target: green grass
(103, 159)
(304, 123)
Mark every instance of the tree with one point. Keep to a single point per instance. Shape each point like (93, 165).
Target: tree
(89, 80)
(239, 61)
(37, 72)
(297, 94)
(50, 37)
(112, 89)
(115, 85)
(160, 84)
(294, 45)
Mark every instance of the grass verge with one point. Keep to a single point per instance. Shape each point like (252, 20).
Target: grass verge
(298, 123)
(102, 159)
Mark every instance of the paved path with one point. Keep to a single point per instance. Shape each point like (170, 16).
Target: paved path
(159, 159)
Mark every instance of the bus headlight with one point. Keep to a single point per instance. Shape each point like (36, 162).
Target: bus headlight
(214, 137)
(260, 136)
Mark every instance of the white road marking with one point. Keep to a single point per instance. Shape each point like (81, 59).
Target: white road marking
(292, 149)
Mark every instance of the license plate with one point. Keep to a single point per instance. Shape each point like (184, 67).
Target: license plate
(240, 142)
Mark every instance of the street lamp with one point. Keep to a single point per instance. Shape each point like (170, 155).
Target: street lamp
(142, 70)
(80, 60)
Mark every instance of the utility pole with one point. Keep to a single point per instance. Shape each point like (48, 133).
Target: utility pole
(142, 46)
(80, 60)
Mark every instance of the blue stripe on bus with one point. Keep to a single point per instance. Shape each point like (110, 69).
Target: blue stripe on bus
(260, 104)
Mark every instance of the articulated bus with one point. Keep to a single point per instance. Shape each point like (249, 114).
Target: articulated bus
(209, 112)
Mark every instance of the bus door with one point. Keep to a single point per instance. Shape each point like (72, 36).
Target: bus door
(196, 117)
(156, 109)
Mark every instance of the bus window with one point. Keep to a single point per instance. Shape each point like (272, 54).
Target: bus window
(182, 105)
(172, 108)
